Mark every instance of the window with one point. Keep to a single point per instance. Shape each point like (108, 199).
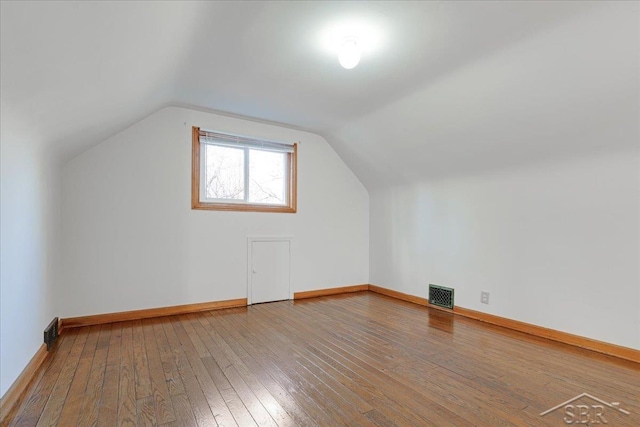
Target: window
(236, 173)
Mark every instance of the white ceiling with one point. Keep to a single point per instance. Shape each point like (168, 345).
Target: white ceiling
(445, 75)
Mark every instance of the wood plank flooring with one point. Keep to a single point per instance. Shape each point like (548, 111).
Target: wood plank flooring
(360, 359)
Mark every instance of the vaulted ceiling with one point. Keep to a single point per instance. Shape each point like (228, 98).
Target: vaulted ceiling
(452, 86)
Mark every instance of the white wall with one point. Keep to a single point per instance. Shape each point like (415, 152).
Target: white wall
(557, 244)
(132, 241)
(29, 194)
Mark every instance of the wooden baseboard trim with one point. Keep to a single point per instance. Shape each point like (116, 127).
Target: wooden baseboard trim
(330, 291)
(12, 399)
(399, 295)
(98, 319)
(552, 334)
(621, 352)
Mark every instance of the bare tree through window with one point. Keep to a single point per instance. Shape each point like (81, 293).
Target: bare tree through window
(225, 174)
(266, 177)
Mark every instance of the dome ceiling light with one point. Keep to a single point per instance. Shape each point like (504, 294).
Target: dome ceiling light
(352, 39)
(349, 52)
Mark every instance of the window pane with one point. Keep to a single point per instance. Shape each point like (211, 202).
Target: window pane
(224, 172)
(267, 177)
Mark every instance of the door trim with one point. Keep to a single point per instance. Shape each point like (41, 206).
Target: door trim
(250, 240)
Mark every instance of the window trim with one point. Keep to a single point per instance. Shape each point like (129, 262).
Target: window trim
(292, 172)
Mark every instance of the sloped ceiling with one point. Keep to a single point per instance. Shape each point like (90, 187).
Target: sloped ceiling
(452, 87)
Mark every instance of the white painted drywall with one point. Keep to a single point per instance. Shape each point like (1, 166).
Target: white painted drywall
(132, 241)
(565, 91)
(29, 195)
(109, 63)
(557, 244)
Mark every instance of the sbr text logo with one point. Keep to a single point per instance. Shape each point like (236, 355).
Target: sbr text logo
(584, 414)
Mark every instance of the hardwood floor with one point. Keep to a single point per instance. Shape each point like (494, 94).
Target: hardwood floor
(358, 359)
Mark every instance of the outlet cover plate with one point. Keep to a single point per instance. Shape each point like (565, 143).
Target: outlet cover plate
(484, 297)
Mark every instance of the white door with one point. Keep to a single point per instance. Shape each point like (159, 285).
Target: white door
(269, 270)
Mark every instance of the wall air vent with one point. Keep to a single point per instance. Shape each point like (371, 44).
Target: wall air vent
(51, 333)
(441, 296)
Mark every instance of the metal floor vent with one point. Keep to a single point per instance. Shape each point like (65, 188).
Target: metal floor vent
(51, 333)
(441, 296)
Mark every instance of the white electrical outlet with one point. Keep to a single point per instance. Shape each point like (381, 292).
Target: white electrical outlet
(484, 297)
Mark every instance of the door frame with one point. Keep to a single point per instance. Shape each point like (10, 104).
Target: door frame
(250, 240)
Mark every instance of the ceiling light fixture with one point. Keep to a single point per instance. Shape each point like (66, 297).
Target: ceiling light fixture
(349, 52)
(352, 38)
